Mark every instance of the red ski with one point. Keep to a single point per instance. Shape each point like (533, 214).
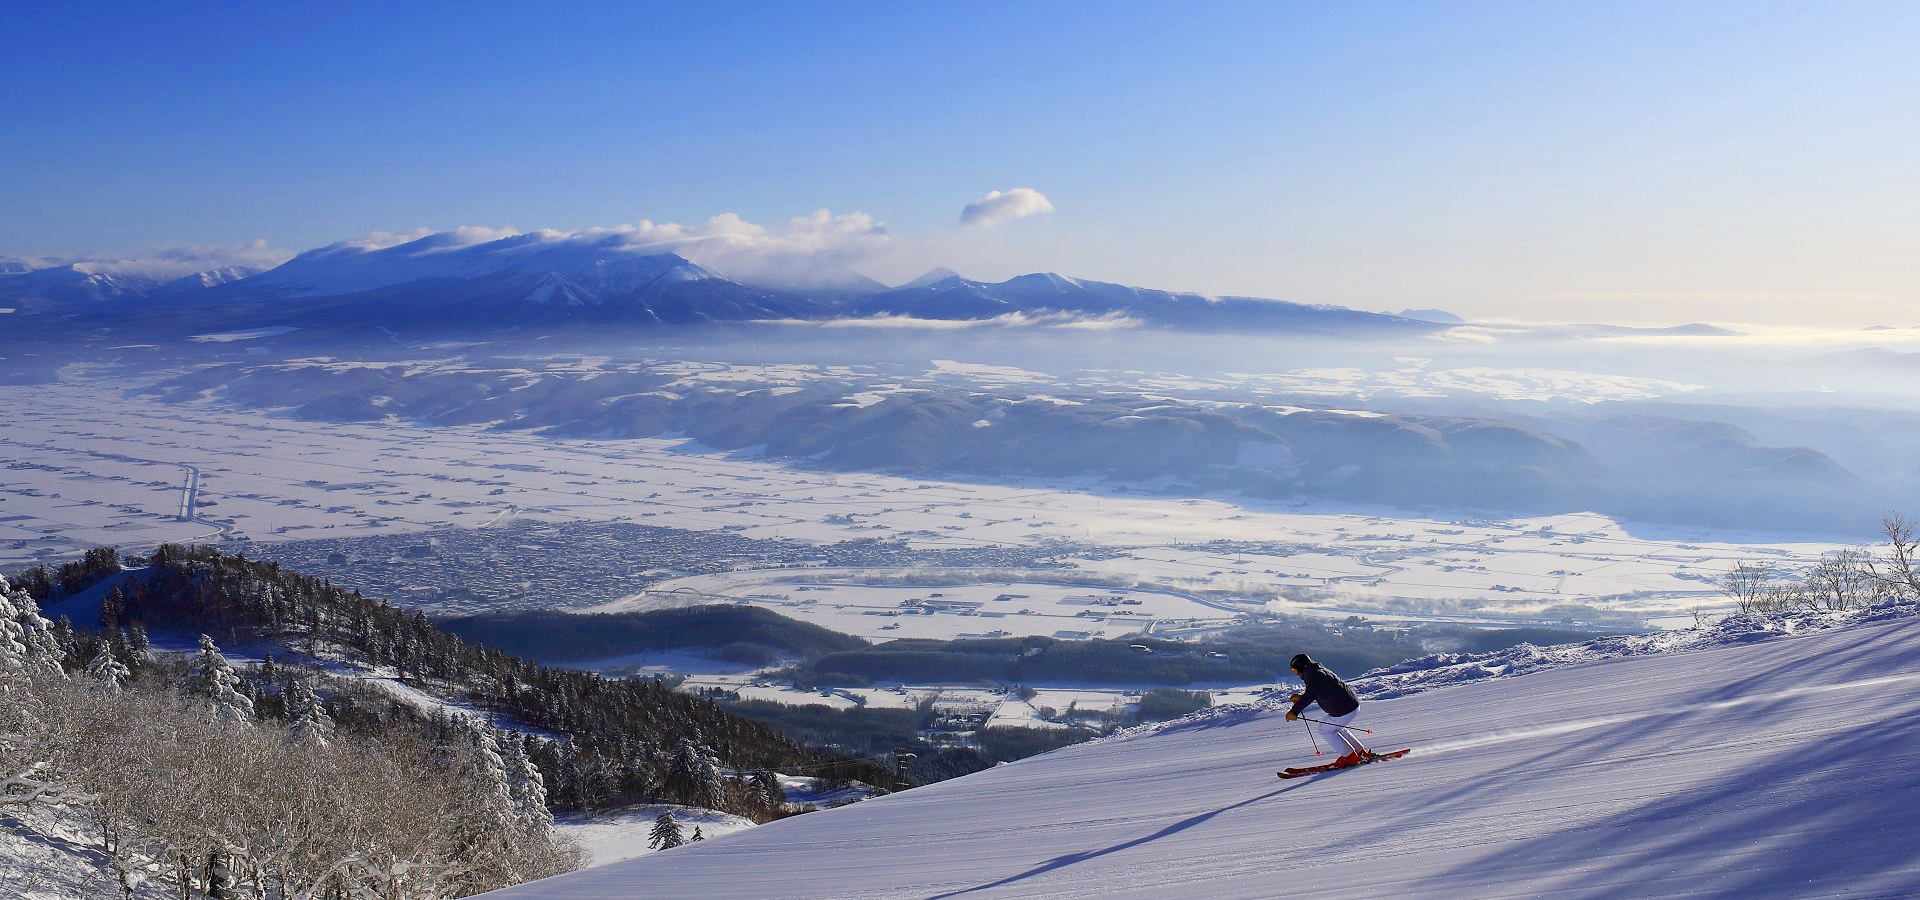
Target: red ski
(1330, 767)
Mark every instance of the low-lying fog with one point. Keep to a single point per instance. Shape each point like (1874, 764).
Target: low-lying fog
(1798, 432)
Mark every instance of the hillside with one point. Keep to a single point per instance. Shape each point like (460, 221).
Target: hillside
(620, 734)
(1763, 767)
(746, 634)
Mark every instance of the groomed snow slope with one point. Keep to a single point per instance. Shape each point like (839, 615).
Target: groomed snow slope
(1786, 767)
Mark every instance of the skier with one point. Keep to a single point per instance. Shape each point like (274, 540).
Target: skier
(1336, 701)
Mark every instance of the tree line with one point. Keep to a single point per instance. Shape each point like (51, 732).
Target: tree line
(186, 784)
(1839, 581)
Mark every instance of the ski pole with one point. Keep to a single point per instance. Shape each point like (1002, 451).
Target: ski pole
(1336, 724)
(1316, 741)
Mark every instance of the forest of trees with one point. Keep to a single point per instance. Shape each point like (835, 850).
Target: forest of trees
(622, 733)
(187, 784)
(268, 779)
(1172, 663)
(745, 634)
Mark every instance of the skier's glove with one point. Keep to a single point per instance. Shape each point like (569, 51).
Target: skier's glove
(1292, 715)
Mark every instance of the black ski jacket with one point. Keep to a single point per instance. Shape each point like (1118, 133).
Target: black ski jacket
(1326, 689)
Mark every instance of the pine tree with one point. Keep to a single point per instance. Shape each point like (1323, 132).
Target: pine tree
(524, 783)
(666, 832)
(13, 636)
(137, 642)
(22, 763)
(106, 670)
(43, 653)
(695, 779)
(307, 718)
(113, 608)
(697, 836)
(213, 677)
(766, 786)
(63, 636)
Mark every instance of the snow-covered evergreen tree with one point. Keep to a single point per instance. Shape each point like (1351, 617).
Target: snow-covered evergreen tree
(142, 651)
(695, 778)
(106, 670)
(22, 762)
(491, 828)
(63, 636)
(766, 786)
(493, 788)
(13, 636)
(307, 719)
(524, 782)
(666, 832)
(213, 677)
(697, 836)
(43, 653)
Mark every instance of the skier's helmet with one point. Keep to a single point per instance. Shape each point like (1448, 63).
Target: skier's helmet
(1300, 661)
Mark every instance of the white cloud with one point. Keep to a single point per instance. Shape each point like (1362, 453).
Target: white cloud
(1075, 321)
(803, 246)
(814, 250)
(480, 234)
(998, 206)
(380, 240)
(179, 260)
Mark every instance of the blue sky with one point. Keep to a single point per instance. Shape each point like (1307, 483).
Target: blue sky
(1618, 161)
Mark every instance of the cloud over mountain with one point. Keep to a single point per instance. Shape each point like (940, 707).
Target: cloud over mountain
(166, 262)
(809, 251)
(999, 206)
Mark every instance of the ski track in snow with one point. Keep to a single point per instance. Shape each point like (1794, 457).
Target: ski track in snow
(1775, 768)
(1559, 728)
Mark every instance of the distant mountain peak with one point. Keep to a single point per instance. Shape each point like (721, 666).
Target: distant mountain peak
(814, 278)
(1436, 316)
(934, 276)
(212, 278)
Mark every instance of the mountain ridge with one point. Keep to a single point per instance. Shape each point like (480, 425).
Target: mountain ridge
(541, 278)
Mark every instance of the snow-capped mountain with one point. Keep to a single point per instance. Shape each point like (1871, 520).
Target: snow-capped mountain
(602, 265)
(954, 297)
(211, 278)
(1439, 316)
(522, 279)
(825, 281)
(471, 278)
(20, 265)
(51, 284)
(1760, 765)
(933, 276)
(603, 275)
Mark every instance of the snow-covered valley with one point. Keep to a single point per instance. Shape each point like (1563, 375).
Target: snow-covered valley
(90, 465)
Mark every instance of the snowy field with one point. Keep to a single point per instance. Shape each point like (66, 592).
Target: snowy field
(1000, 707)
(622, 834)
(86, 465)
(942, 610)
(1778, 768)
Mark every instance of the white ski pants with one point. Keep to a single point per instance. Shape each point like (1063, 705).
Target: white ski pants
(1340, 740)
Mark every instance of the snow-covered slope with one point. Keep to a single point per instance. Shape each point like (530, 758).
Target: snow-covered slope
(52, 852)
(1781, 767)
(604, 263)
(47, 284)
(523, 279)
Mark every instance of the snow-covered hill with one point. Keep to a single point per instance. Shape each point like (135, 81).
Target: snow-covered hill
(491, 279)
(49, 284)
(948, 296)
(1766, 766)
